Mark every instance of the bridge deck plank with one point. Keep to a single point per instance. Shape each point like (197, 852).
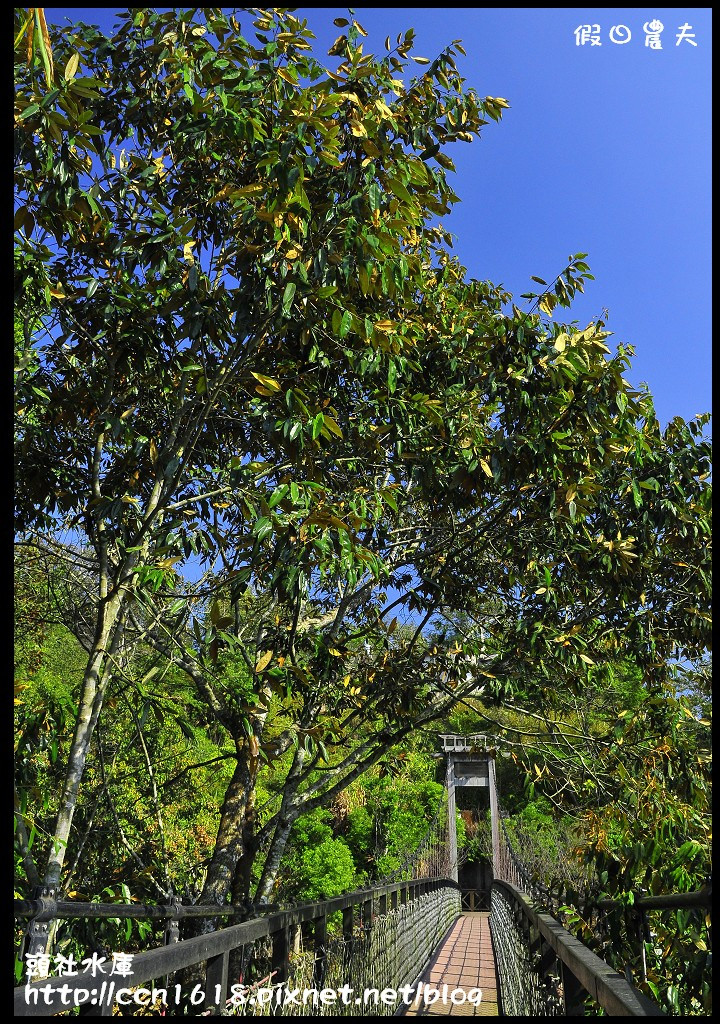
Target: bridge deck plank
(464, 960)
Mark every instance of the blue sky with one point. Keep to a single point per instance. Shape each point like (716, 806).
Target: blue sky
(605, 150)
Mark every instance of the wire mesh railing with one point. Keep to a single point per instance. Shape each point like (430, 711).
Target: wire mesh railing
(543, 971)
(338, 957)
(430, 858)
(383, 952)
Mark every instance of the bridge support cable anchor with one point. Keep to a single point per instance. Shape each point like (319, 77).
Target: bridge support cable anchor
(37, 933)
(172, 927)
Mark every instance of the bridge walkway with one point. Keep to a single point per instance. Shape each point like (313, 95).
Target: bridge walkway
(464, 960)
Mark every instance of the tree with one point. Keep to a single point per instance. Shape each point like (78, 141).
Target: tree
(256, 351)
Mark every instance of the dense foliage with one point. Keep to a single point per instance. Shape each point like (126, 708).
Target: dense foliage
(293, 487)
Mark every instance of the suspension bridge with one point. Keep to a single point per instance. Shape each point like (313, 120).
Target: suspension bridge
(416, 944)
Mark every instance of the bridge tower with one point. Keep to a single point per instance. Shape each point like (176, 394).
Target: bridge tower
(470, 762)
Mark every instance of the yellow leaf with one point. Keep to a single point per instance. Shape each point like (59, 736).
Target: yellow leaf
(358, 130)
(268, 382)
(335, 652)
(45, 45)
(21, 33)
(332, 426)
(248, 190)
(71, 67)
(187, 252)
(264, 660)
(560, 342)
(486, 468)
(588, 661)
(166, 563)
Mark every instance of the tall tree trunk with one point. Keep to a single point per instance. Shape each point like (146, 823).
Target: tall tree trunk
(95, 681)
(242, 876)
(228, 841)
(289, 811)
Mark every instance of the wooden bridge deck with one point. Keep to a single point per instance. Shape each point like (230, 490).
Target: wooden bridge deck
(464, 961)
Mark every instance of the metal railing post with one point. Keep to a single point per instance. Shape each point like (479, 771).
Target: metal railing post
(280, 955)
(172, 926)
(37, 935)
(216, 983)
(366, 914)
(320, 943)
(348, 942)
(574, 994)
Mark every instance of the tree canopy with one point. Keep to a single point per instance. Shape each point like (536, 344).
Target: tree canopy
(279, 439)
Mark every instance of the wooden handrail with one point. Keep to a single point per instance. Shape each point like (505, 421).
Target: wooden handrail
(215, 946)
(613, 992)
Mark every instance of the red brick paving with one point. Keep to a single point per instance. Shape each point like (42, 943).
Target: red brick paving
(464, 961)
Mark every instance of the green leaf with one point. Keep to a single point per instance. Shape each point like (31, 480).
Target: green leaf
(389, 498)
(345, 323)
(318, 424)
(288, 296)
(263, 528)
(277, 495)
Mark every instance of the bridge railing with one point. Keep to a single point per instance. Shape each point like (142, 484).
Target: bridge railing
(373, 939)
(543, 970)
(474, 899)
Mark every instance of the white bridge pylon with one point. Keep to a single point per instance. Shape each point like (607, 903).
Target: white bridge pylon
(471, 763)
(462, 744)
